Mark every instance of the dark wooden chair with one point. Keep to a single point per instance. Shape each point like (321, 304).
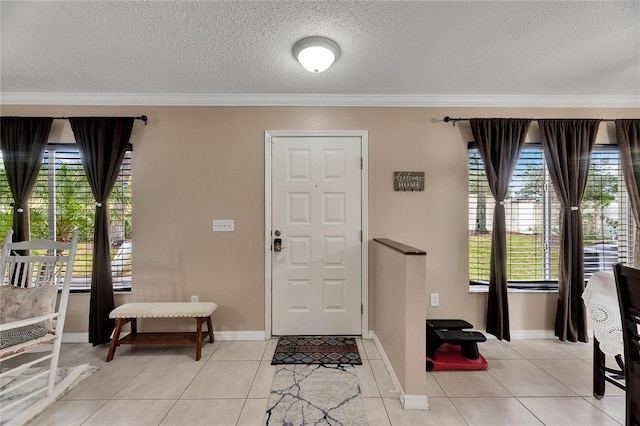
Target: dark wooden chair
(628, 286)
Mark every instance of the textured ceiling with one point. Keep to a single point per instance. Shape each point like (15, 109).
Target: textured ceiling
(425, 48)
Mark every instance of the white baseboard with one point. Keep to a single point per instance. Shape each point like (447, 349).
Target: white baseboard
(75, 337)
(531, 334)
(415, 402)
(218, 335)
(409, 402)
(239, 335)
(261, 335)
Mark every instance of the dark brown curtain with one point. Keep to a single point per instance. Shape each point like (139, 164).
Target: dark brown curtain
(628, 132)
(23, 141)
(102, 142)
(500, 142)
(567, 148)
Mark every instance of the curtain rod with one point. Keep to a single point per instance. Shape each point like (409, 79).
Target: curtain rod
(143, 118)
(455, 120)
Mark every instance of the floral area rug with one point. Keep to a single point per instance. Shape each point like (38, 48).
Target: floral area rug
(316, 350)
(316, 394)
(66, 379)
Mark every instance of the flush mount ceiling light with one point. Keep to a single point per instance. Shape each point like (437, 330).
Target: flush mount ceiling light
(316, 54)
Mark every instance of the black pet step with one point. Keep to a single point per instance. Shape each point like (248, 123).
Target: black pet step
(448, 324)
(452, 331)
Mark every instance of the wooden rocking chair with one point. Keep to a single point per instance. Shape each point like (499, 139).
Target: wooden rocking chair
(31, 274)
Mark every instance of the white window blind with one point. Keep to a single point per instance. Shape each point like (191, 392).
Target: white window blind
(62, 200)
(532, 219)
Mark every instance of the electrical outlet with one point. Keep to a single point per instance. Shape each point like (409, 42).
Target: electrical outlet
(194, 299)
(223, 226)
(435, 299)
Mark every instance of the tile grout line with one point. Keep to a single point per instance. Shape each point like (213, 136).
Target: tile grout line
(598, 408)
(187, 386)
(529, 411)
(104, 402)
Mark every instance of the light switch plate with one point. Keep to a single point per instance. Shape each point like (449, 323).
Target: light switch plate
(223, 225)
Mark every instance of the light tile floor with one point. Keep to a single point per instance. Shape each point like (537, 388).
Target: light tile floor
(528, 382)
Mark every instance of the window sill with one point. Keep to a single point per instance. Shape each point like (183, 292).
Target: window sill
(475, 289)
(548, 287)
(87, 290)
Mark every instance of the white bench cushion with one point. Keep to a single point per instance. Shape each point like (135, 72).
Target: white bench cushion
(164, 310)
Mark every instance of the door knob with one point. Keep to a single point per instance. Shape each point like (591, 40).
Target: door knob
(277, 244)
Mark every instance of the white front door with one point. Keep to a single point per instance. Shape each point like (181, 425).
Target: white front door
(316, 213)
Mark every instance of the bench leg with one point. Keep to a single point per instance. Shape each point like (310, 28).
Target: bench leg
(116, 335)
(199, 338)
(210, 328)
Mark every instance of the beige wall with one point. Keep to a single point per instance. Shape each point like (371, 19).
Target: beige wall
(194, 164)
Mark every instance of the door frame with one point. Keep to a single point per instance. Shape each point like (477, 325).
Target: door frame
(364, 200)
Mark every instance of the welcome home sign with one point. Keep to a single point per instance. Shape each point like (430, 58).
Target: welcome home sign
(408, 181)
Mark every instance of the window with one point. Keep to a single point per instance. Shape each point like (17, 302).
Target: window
(62, 200)
(532, 220)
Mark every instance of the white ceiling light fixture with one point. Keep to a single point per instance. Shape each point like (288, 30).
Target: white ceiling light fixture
(316, 54)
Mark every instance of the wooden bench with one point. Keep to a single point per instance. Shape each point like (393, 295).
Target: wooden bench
(131, 312)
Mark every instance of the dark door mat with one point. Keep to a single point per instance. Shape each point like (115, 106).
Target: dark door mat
(316, 350)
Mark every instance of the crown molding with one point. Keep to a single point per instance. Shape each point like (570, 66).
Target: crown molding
(209, 99)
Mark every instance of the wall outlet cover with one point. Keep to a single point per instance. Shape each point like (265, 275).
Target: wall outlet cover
(435, 299)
